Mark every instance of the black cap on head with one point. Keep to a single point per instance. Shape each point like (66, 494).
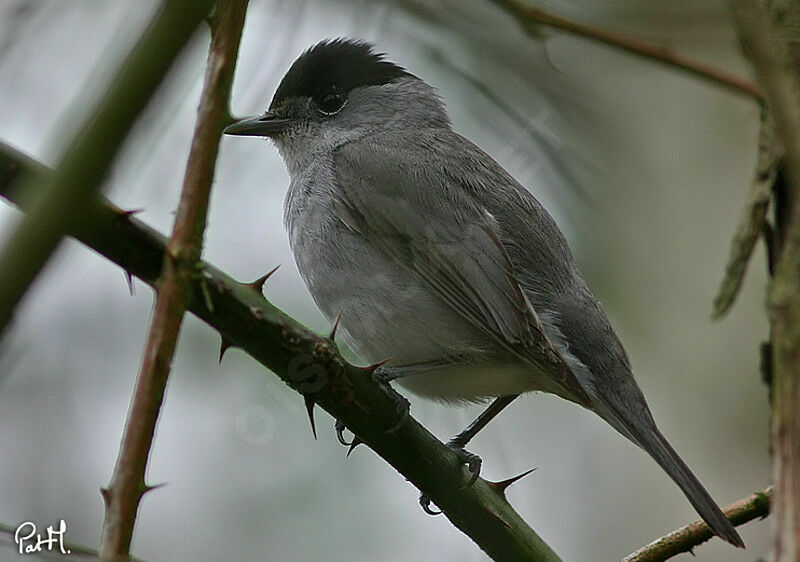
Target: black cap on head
(336, 65)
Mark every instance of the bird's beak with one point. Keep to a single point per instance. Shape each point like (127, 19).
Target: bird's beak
(262, 126)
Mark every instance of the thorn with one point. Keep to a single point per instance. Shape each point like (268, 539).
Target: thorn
(310, 409)
(129, 279)
(127, 213)
(353, 444)
(332, 335)
(224, 345)
(149, 488)
(369, 369)
(258, 284)
(503, 485)
(106, 493)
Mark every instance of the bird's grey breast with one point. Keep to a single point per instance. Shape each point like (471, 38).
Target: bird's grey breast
(385, 311)
(318, 240)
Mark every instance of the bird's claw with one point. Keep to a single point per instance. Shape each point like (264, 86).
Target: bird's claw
(339, 427)
(426, 503)
(352, 444)
(472, 461)
(402, 407)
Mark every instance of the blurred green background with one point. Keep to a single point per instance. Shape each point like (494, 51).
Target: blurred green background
(645, 169)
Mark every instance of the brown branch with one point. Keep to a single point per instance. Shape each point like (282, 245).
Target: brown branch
(764, 42)
(174, 287)
(529, 18)
(755, 506)
(60, 200)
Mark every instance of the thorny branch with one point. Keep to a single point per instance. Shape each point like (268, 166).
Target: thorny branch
(174, 286)
(753, 222)
(761, 33)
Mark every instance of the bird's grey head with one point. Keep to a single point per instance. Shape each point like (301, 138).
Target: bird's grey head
(338, 90)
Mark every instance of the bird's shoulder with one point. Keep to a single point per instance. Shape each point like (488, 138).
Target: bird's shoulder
(413, 164)
(446, 177)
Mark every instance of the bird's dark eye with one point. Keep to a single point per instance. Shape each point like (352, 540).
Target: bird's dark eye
(331, 103)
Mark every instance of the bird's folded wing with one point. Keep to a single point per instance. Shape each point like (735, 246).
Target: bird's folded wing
(433, 228)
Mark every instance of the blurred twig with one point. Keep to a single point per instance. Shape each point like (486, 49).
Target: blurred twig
(755, 506)
(529, 18)
(301, 358)
(765, 43)
(15, 19)
(59, 203)
(175, 284)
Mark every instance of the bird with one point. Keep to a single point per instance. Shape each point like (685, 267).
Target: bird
(428, 252)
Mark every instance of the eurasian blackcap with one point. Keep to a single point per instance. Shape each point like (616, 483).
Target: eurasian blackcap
(437, 258)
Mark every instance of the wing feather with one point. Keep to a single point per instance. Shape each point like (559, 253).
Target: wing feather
(454, 250)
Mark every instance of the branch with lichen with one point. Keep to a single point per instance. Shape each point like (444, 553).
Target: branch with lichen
(753, 222)
(531, 18)
(312, 365)
(685, 539)
(174, 285)
(767, 33)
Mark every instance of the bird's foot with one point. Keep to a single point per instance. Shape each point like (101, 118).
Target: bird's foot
(352, 444)
(473, 463)
(402, 407)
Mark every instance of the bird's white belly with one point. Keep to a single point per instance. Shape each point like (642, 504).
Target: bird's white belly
(474, 382)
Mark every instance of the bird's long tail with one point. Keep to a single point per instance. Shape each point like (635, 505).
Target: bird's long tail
(640, 428)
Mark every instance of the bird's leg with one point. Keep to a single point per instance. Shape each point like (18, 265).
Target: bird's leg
(459, 442)
(497, 405)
